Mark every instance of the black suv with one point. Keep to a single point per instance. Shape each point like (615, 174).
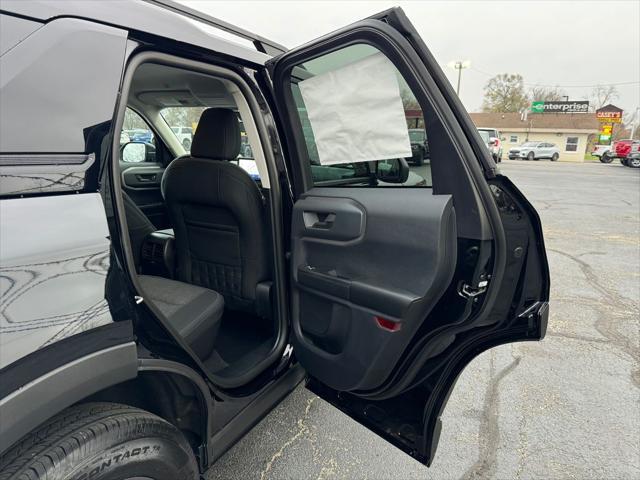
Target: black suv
(157, 302)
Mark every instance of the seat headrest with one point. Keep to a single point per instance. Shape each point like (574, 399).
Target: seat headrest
(217, 135)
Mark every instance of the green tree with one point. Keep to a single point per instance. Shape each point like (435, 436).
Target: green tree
(505, 93)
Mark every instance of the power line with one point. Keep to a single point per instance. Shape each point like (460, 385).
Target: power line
(563, 86)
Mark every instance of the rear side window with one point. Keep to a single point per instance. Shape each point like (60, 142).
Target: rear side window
(358, 118)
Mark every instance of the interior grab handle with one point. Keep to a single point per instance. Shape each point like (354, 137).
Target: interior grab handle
(319, 220)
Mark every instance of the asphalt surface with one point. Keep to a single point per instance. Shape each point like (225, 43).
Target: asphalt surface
(566, 407)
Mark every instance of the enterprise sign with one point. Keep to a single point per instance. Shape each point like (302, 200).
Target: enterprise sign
(580, 106)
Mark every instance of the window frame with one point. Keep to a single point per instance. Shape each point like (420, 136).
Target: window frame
(511, 139)
(567, 143)
(297, 125)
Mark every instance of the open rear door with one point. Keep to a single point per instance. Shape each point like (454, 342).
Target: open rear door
(401, 274)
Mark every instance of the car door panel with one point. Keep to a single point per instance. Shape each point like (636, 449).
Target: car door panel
(376, 268)
(396, 291)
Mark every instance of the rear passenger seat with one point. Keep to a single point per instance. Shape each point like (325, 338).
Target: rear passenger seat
(195, 312)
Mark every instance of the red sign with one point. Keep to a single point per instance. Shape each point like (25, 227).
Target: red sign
(609, 116)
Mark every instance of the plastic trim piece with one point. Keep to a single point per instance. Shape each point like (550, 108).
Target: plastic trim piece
(38, 400)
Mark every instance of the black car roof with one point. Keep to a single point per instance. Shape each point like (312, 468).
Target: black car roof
(163, 18)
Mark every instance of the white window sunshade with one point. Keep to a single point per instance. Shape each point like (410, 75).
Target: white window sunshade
(356, 112)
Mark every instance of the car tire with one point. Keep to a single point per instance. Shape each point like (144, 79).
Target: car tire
(606, 158)
(623, 161)
(186, 143)
(633, 162)
(99, 441)
(554, 157)
(419, 161)
(531, 156)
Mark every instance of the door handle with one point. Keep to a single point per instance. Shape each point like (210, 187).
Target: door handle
(146, 177)
(319, 220)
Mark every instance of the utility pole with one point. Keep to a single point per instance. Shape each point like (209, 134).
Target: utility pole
(459, 65)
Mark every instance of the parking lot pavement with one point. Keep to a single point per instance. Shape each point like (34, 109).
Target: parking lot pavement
(566, 407)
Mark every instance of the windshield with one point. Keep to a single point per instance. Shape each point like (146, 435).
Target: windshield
(485, 135)
(417, 135)
(529, 144)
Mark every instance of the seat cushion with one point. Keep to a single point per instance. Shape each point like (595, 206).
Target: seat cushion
(195, 312)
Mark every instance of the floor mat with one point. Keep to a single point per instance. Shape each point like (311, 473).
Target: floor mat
(241, 342)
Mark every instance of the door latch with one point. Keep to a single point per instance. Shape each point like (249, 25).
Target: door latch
(467, 291)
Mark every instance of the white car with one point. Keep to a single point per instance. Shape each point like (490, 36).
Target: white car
(535, 151)
(603, 152)
(185, 135)
(491, 137)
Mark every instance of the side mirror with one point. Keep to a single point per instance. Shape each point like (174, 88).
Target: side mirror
(135, 152)
(392, 171)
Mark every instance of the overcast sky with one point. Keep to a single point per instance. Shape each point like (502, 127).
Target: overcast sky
(574, 45)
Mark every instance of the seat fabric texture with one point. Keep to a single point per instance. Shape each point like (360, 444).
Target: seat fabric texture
(218, 214)
(195, 312)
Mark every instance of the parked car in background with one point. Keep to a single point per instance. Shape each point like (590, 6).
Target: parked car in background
(185, 135)
(603, 152)
(535, 151)
(419, 146)
(622, 149)
(491, 137)
(633, 160)
(140, 135)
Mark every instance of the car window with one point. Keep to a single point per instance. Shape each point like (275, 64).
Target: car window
(184, 121)
(372, 121)
(136, 130)
(485, 135)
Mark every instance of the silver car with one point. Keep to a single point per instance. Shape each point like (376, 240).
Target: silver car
(535, 151)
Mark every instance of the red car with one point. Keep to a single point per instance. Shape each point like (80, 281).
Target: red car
(623, 148)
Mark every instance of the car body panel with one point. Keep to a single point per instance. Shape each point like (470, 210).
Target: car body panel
(140, 16)
(622, 148)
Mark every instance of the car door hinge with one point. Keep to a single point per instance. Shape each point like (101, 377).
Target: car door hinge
(467, 291)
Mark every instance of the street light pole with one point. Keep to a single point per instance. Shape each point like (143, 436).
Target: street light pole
(459, 65)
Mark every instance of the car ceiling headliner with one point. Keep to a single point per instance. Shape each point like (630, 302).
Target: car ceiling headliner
(163, 86)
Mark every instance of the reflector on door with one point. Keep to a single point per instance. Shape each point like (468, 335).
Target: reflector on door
(356, 112)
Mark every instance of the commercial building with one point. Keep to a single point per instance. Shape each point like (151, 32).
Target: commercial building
(572, 133)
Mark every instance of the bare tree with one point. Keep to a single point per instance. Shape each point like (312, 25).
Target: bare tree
(603, 95)
(505, 93)
(547, 94)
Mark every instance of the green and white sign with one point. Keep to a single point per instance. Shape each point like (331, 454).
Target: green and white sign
(579, 106)
(537, 107)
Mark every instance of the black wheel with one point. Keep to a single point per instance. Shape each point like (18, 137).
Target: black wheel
(554, 157)
(531, 156)
(101, 441)
(623, 161)
(186, 143)
(419, 161)
(606, 158)
(633, 162)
